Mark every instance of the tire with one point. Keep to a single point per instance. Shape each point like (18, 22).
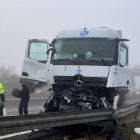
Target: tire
(49, 107)
(122, 99)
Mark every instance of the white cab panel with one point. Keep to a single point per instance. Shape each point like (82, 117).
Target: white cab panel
(93, 32)
(112, 78)
(36, 61)
(86, 71)
(123, 76)
(123, 66)
(118, 77)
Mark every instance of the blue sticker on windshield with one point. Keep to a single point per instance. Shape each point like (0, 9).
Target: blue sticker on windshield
(84, 32)
(78, 71)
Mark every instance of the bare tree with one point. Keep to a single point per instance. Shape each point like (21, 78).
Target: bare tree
(6, 72)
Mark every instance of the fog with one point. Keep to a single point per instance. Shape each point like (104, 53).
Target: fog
(24, 19)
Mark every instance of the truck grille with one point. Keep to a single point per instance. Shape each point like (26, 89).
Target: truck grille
(89, 81)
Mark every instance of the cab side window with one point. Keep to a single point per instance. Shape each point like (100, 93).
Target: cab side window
(123, 55)
(38, 51)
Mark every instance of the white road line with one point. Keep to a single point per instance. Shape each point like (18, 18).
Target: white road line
(20, 133)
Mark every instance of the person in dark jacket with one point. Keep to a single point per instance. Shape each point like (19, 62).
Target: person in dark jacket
(25, 97)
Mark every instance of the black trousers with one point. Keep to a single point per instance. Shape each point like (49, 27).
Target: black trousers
(23, 107)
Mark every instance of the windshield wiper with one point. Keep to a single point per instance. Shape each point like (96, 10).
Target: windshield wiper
(100, 56)
(92, 60)
(65, 60)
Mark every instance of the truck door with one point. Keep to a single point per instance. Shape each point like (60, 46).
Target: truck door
(36, 64)
(123, 67)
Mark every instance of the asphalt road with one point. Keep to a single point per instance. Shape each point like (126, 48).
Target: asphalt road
(34, 106)
(132, 101)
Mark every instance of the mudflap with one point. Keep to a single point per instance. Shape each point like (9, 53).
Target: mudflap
(115, 135)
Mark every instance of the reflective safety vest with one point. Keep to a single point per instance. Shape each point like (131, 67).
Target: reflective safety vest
(1, 89)
(137, 92)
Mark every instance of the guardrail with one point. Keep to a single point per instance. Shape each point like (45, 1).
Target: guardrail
(13, 124)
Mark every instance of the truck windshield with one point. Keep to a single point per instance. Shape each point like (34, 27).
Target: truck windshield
(80, 50)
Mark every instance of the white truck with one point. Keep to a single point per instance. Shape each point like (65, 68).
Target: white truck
(86, 67)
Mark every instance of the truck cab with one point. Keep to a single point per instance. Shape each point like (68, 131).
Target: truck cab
(86, 68)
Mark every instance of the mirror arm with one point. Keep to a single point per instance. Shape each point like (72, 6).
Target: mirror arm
(123, 39)
(53, 41)
(50, 49)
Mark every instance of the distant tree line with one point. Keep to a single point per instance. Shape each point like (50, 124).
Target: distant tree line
(10, 80)
(6, 72)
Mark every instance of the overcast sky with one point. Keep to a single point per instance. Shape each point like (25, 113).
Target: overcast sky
(21, 20)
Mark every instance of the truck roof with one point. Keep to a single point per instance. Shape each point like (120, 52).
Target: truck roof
(90, 32)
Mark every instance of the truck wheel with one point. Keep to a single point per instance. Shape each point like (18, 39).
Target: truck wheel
(122, 99)
(49, 106)
(117, 135)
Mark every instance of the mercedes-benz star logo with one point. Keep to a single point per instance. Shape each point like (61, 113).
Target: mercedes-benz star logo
(78, 80)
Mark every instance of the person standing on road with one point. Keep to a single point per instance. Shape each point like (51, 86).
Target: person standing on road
(2, 99)
(137, 92)
(2, 94)
(25, 97)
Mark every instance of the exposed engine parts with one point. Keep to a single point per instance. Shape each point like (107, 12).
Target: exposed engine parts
(105, 102)
(75, 98)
